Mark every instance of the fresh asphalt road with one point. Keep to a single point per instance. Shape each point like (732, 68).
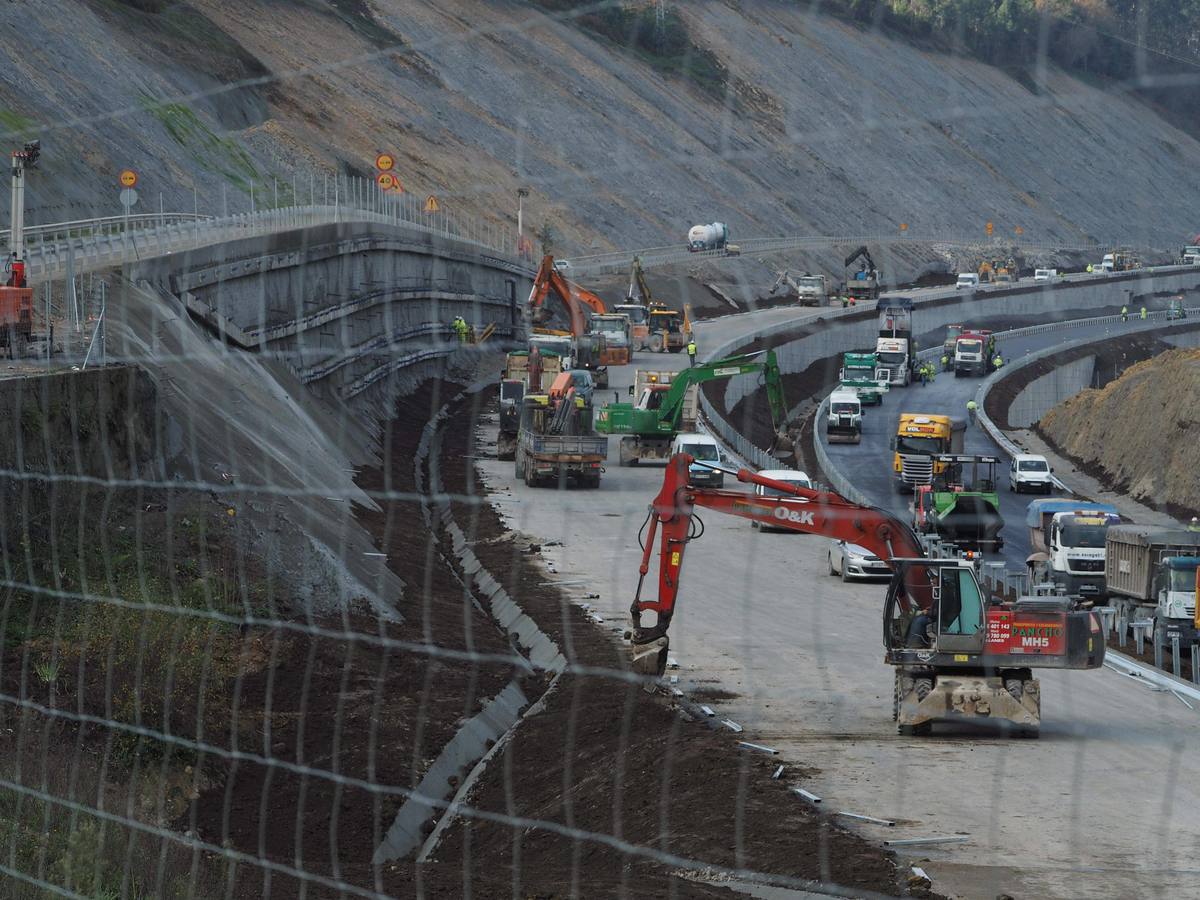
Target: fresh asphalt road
(869, 463)
(1105, 804)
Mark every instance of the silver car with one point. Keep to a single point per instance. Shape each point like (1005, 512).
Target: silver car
(852, 561)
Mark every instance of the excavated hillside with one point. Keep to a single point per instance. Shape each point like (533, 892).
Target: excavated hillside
(1138, 434)
(786, 121)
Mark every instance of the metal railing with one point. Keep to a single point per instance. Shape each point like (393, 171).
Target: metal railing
(659, 256)
(103, 248)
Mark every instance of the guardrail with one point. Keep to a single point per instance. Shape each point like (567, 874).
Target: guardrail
(994, 431)
(64, 231)
(676, 253)
(106, 248)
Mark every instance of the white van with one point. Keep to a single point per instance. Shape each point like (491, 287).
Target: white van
(966, 280)
(705, 448)
(791, 476)
(1030, 472)
(1045, 274)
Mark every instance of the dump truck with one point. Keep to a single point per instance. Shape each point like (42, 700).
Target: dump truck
(961, 505)
(1067, 538)
(865, 283)
(919, 439)
(557, 442)
(665, 404)
(895, 349)
(616, 330)
(1151, 571)
(843, 422)
(861, 374)
(809, 290)
(974, 353)
(952, 333)
(515, 384)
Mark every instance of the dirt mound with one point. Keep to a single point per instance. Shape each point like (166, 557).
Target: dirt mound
(1139, 431)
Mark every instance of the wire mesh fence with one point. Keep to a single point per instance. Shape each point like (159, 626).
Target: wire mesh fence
(281, 617)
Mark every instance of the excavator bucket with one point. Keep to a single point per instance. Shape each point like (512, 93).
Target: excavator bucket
(651, 659)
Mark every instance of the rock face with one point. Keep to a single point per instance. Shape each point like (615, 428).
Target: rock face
(823, 127)
(1141, 433)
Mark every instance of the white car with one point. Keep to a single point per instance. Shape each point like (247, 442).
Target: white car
(1045, 274)
(852, 561)
(967, 280)
(1030, 472)
(792, 476)
(703, 448)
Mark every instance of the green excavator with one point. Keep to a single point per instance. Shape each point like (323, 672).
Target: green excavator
(665, 404)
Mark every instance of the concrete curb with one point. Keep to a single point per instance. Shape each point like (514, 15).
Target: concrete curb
(497, 722)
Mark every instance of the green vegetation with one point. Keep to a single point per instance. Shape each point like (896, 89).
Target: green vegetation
(1095, 37)
(208, 149)
(14, 123)
(635, 29)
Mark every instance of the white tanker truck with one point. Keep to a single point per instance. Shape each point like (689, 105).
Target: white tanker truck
(707, 237)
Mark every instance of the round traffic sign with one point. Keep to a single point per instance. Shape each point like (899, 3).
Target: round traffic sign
(129, 178)
(385, 162)
(385, 180)
(129, 197)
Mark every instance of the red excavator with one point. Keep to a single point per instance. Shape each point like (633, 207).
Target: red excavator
(959, 654)
(573, 298)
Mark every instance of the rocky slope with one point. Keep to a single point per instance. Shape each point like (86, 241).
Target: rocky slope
(1139, 432)
(822, 127)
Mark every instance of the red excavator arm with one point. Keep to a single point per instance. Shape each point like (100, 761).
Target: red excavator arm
(809, 511)
(572, 296)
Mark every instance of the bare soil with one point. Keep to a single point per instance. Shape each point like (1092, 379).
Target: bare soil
(1132, 433)
(603, 757)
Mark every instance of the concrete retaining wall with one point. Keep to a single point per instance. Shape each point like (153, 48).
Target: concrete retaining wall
(1061, 301)
(1043, 394)
(345, 305)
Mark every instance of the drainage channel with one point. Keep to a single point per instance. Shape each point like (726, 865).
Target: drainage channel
(482, 736)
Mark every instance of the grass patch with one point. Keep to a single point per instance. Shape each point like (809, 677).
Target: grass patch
(12, 122)
(208, 149)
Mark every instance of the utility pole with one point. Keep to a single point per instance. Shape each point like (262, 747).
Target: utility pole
(522, 193)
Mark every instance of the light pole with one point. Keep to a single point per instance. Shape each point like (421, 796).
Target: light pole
(522, 193)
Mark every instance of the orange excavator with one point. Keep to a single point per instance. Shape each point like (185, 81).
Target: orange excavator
(573, 298)
(958, 654)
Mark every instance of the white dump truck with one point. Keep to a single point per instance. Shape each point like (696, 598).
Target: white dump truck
(1068, 543)
(1151, 573)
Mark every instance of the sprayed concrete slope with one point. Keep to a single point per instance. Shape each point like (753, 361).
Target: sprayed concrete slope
(826, 128)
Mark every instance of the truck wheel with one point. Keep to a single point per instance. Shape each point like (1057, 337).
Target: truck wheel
(519, 466)
(675, 349)
(656, 343)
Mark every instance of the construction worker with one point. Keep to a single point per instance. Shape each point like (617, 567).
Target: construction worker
(945, 363)
(1124, 313)
(1089, 269)
(460, 328)
(1194, 525)
(1143, 314)
(998, 361)
(845, 301)
(971, 410)
(691, 348)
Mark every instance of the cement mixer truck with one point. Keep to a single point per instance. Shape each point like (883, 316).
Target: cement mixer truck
(707, 237)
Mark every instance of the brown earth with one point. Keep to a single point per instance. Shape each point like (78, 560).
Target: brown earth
(603, 757)
(1137, 434)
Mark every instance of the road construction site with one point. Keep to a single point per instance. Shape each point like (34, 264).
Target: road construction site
(788, 658)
